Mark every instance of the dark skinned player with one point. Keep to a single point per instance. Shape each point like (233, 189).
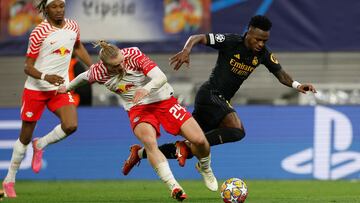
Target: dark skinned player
(238, 57)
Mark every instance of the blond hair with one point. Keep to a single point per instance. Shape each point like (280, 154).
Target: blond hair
(107, 50)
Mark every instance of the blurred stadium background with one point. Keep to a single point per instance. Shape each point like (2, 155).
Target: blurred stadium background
(289, 136)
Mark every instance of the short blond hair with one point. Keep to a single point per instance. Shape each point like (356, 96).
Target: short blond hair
(107, 50)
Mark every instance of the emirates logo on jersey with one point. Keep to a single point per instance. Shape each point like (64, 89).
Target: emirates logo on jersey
(62, 51)
(136, 119)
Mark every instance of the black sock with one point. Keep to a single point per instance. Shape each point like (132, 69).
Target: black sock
(168, 150)
(224, 135)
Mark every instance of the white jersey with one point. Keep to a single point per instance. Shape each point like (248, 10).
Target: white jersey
(137, 65)
(52, 47)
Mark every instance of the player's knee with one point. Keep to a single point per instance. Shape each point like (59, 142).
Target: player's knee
(25, 140)
(70, 128)
(151, 147)
(239, 134)
(200, 141)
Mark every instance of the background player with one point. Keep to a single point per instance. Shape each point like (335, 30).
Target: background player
(51, 45)
(147, 97)
(238, 57)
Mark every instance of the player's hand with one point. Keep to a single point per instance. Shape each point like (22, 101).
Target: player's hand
(179, 59)
(306, 87)
(61, 89)
(139, 95)
(54, 79)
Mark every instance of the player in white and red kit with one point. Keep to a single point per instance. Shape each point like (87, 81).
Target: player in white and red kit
(51, 45)
(147, 97)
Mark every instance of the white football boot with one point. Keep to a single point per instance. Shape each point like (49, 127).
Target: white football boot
(209, 177)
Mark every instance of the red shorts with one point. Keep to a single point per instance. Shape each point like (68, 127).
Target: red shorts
(169, 113)
(33, 103)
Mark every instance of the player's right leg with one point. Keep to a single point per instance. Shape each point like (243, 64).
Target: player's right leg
(201, 149)
(18, 155)
(146, 133)
(63, 107)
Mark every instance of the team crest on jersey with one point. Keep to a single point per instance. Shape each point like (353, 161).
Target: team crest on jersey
(124, 88)
(255, 61)
(273, 58)
(219, 37)
(136, 119)
(62, 51)
(29, 114)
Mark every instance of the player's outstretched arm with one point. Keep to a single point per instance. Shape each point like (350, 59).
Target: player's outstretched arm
(79, 81)
(286, 79)
(183, 56)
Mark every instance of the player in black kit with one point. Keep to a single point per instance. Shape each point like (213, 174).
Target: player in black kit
(238, 57)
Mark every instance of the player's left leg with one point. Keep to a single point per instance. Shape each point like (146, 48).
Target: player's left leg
(146, 133)
(68, 118)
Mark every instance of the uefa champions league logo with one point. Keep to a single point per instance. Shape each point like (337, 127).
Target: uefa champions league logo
(329, 159)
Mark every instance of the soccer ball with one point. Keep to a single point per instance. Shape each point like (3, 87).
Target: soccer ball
(234, 190)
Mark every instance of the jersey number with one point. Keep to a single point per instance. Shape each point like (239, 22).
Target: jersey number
(71, 99)
(176, 111)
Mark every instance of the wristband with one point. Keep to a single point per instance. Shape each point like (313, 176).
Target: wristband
(42, 77)
(295, 84)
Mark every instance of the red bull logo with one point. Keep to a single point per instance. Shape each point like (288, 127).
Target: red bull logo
(123, 88)
(62, 51)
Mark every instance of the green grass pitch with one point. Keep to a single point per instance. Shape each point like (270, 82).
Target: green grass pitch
(156, 192)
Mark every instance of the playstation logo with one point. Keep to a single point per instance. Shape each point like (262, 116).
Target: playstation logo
(331, 157)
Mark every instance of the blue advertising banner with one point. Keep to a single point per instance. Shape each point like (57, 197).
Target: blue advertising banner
(281, 143)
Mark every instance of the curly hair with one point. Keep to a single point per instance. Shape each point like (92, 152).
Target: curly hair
(41, 7)
(261, 22)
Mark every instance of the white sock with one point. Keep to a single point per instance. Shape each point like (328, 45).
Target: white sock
(54, 136)
(205, 162)
(18, 155)
(141, 152)
(165, 174)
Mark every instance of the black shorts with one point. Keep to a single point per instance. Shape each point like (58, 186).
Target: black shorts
(210, 108)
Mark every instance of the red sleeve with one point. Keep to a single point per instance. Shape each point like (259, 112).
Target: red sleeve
(145, 63)
(97, 73)
(77, 33)
(92, 74)
(35, 41)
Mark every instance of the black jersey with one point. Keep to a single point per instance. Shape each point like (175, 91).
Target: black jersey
(235, 63)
